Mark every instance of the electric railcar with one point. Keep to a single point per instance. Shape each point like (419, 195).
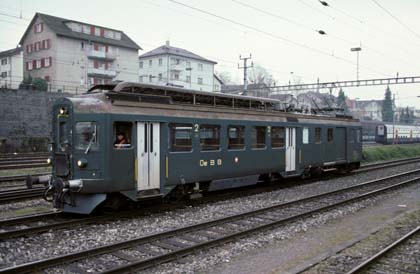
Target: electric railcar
(179, 141)
(397, 134)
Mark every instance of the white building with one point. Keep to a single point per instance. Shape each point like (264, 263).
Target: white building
(72, 55)
(171, 66)
(11, 68)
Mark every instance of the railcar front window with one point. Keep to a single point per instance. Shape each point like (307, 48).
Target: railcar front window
(277, 137)
(62, 135)
(330, 135)
(305, 135)
(258, 137)
(236, 137)
(86, 135)
(180, 137)
(209, 137)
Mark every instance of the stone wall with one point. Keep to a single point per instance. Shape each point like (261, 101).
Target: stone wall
(25, 120)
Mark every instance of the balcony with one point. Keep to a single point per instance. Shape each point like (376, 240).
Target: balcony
(96, 54)
(109, 73)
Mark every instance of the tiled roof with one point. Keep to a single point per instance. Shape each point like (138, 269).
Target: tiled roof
(166, 49)
(10, 52)
(57, 25)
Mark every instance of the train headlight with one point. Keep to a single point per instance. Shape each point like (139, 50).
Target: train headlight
(63, 110)
(49, 160)
(82, 163)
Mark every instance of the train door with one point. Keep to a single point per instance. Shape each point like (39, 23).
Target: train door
(341, 143)
(148, 153)
(290, 149)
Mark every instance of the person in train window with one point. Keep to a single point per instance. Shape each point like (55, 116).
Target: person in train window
(121, 141)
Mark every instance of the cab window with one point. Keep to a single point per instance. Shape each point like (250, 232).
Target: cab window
(122, 135)
(86, 135)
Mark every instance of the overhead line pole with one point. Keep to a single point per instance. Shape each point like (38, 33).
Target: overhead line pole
(245, 67)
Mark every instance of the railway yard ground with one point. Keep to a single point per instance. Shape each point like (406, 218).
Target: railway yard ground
(333, 240)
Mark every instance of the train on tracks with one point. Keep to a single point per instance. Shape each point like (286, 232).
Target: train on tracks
(130, 141)
(389, 133)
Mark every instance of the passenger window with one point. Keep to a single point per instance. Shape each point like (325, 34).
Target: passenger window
(258, 137)
(180, 137)
(330, 135)
(318, 135)
(209, 137)
(236, 138)
(305, 135)
(86, 135)
(277, 137)
(122, 134)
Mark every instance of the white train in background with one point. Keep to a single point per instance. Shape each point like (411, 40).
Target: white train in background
(388, 133)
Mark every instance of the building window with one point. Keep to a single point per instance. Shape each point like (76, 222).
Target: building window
(188, 79)
(117, 35)
(47, 78)
(47, 62)
(318, 137)
(39, 27)
(174, 75)
(200, 67)
(180, 137)
(4, 74)
(86, 29)
(38, 64)
(160, 77)
(141, 79)
(141, 64)
(188, 64)
(29, 65)
(150, 78)
(330, 135)
(97, 31)
(216, 87)
(236, 139)
(160, 62)
(199, 80)
(209, 137)
(4, 61)
(277, 137)
(150, 63)
(37, 46)
(46, 44)
(305, 135)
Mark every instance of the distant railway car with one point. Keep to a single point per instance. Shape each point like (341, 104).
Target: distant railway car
(134, 142)
(388, 133)
(369, 131)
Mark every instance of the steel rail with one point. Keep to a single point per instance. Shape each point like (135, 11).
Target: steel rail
(19, 166)
(20, 194)
(19, 177)
(365, 264)
(275, 215)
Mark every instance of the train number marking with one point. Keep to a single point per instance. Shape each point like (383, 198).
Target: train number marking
(212, 162)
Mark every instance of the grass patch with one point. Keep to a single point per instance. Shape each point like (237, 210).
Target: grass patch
(24, 171)
(391, 152)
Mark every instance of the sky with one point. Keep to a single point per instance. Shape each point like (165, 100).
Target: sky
(281, 35)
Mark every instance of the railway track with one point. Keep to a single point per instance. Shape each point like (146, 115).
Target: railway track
(394, 258)
(20, 194)
(7, 179)
(23, 161)
(149, 251)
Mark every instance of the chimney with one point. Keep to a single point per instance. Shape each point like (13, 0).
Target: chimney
(167, 43)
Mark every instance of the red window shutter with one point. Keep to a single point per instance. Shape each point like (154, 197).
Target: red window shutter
(48, 43)
(102, 32)
(50, 61)
(95, 64)
(32, 47)
(42, 27)
(92, 30)
(106, 48)
(33, 64)
(47, 78)
(106, 65)
(27, 65)
(95, 46)
(35, 28)
(42, 62)
(27, 48)
(44, 44)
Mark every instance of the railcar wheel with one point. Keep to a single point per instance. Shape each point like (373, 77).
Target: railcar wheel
(113, 203)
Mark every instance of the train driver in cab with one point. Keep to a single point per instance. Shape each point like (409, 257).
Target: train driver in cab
(121, 141)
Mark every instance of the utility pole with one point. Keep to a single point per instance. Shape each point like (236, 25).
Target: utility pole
(245, 67)
(357, 50)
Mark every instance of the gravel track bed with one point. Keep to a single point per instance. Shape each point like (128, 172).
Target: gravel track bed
(349, 258)
(53, 243)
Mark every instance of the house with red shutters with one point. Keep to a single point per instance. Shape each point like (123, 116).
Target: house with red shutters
(72, 55)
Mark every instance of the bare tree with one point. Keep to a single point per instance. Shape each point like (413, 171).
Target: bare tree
(224, 76)
(259, 75)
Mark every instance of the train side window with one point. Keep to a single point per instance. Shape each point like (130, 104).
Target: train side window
(209, 137)
(277, 137)
(180, 137)
(258, 137)
(236, 138)
(305, 135)
(351, 135)
(330, 135)
(122, 134)
(318, 135)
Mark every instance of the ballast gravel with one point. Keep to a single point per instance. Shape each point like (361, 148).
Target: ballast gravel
(65, 241)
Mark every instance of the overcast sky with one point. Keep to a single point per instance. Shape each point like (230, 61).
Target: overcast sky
(281, 35)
